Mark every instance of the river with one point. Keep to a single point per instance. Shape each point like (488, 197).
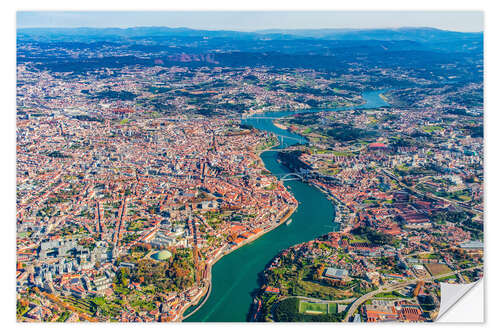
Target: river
(235, 276)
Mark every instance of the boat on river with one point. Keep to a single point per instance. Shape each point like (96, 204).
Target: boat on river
(288, 222)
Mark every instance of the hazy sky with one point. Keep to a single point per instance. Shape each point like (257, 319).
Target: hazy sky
(252, 20)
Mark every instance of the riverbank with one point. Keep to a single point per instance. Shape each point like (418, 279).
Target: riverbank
(225, 250)
(339, 214)
(383, 97)
(280, 126)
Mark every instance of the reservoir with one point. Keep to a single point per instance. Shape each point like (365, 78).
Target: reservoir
(235, 276)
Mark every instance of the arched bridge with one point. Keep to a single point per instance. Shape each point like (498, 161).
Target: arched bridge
(292, 176)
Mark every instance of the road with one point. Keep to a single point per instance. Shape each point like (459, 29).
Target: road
(317, 300)
(354, 306)
(119, 224)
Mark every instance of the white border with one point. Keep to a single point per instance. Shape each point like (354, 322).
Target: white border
(7, 132)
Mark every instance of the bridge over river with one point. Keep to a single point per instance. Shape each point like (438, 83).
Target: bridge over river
(235, 276)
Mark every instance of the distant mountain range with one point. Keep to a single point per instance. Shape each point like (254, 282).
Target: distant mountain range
(430, 37)
(326, 49)
(414, 34)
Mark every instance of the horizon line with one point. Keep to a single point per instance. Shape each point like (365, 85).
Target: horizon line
(246, 31)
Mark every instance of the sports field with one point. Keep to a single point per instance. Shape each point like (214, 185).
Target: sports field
(315, 308)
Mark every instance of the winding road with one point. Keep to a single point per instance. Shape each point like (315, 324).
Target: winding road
(354, 306)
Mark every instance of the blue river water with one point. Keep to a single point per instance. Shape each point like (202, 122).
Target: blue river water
(235, 276)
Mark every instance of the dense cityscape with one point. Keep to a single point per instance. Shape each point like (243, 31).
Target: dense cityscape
(146, 157)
